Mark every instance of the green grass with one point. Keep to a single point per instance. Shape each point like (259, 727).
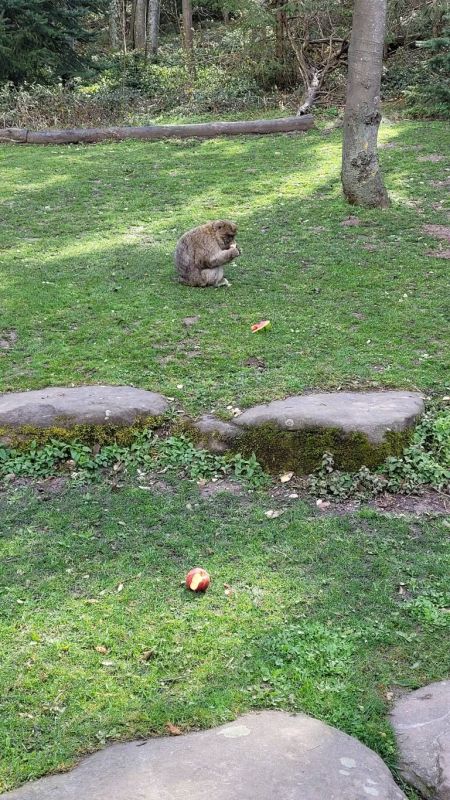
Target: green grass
(87, 279)
(315, 621)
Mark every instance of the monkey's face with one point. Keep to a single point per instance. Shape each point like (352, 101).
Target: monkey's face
(225, 232)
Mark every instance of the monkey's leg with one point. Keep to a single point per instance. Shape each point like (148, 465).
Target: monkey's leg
(212, 277)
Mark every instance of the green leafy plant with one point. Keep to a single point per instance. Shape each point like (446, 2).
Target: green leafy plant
(148, 451)
(425, 462)
(431, 608)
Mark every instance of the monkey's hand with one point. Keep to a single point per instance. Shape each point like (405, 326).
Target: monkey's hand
(235, 250)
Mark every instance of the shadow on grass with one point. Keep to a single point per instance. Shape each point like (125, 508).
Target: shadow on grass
(350, 306)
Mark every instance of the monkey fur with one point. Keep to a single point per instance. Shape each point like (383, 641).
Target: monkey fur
(202, 252)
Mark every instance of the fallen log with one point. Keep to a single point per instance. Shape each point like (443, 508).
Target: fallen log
(18, 135)
(202, 130)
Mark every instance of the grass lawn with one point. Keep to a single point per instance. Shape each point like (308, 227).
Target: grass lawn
(87, 280)
(332, 615)
(326, 615)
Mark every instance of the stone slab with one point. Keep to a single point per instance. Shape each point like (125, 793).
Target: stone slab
(370, 413)
(421, 721)
(215, 434)
(258, 757)
(80, 405)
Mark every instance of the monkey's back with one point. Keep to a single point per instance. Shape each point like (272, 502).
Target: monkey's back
(190, 253)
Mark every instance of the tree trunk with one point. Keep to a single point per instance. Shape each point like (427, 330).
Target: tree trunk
(310, 94)
(123, 24)
(279, 36)
(204, 130)
(362, 181)
(114, 21)
(140, 26)
(188, 38)
(153, 11)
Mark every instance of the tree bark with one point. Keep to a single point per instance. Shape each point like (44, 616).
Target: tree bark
(280, 20)
(188, 38)
(362, 181)
(153, 12)
(140, 24)
(114, 19)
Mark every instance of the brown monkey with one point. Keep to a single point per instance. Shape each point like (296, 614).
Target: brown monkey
(201, 253)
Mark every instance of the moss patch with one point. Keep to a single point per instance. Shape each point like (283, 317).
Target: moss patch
(20, 437)
(302, 451)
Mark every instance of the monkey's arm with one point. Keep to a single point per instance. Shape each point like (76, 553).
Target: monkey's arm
(222, 257)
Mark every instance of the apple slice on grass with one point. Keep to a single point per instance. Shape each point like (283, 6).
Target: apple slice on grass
(264, 325)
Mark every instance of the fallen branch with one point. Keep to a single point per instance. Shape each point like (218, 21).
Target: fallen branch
(203, 130)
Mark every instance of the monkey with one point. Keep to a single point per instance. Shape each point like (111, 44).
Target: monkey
(201, 253)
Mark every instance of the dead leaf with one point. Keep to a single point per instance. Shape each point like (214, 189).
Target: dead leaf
(147, 655)
(322, 503)
(173, 730)
(293, 496)
(389, 695)
(401, 589)
(120, 587)
(100, 648)
(274, 513)
(350, 222)
(286, 477)
(92, 600)
(107, 663)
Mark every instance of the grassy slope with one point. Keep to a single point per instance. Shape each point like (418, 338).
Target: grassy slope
(315, 621)
(86, 270)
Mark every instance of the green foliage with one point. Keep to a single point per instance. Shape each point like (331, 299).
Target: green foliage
(44, 39)
(425, 462)
(147, 450)
(428, 91)
(308, 656)
(431, 608)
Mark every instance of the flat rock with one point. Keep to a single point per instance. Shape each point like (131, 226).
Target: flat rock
(215, 434)
(421, 721)
(257, 757)
(370, 413)
(81, 405)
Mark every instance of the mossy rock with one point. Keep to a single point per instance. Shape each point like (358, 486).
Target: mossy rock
(302, 451)
(358, 428)
(123, 435)
(91, 414)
